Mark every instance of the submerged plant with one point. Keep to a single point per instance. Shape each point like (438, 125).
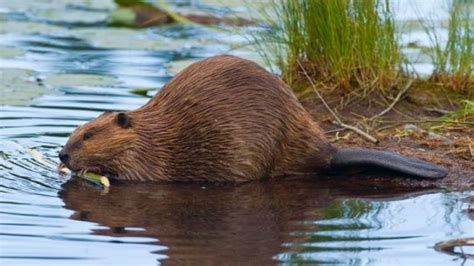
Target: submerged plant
(351, 44)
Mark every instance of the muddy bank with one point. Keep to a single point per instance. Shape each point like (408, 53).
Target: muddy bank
(410, 128)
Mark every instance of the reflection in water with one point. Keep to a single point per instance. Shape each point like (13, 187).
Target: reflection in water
(213, 224)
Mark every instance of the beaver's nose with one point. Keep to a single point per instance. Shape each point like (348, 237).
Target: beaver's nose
(64, 157)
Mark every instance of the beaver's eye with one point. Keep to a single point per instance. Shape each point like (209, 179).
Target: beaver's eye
(87, 136)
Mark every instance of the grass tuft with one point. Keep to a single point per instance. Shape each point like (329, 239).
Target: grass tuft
(465, 113)
(453, 59)
(349, 44)
(353, 44)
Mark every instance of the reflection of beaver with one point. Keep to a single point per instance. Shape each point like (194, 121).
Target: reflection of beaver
(247, 224)
(221, 119)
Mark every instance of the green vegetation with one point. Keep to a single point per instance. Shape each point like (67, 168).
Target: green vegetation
(453, 60)
(350, 44)
(464, 114)
(353, 45)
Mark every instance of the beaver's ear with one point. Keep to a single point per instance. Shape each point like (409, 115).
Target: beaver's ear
(123, 120)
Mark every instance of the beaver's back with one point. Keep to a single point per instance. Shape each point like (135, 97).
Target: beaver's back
(233, 120)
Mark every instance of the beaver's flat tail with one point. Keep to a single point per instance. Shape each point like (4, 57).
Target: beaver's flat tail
(388, 160)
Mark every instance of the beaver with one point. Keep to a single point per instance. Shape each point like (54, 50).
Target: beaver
(220, 119)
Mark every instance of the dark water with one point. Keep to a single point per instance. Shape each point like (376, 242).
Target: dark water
(61, 55)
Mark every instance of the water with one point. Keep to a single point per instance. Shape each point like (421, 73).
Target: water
(61, 66)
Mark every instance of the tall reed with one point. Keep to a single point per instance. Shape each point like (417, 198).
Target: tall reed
(453, 59)
(348, 43)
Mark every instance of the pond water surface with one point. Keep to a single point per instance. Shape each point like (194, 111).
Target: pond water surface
(61, 66)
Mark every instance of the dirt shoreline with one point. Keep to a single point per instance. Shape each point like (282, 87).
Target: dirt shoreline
(451, 146)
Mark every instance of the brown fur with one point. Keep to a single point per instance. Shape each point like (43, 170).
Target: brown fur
(220, 119)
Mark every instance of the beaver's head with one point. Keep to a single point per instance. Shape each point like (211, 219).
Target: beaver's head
(97, 145)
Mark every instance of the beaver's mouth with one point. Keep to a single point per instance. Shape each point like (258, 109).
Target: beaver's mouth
(84, 170)
(92, 169)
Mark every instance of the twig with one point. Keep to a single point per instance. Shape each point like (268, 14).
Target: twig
(429, 121)
(395, 101)
(441, 111)
(358, 131)
(471, 150)
(152, 19)
(338, 120)
(334, 130)
(386, 127)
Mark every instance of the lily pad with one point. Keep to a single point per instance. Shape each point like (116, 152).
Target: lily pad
(123, 38)
(80, 80)
(19, 86)
(71, 16)
(141, 91)
(8, 52)
(34, 6)
(122, 16)
(23, 27)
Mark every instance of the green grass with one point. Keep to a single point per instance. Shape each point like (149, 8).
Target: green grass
(465, 112)
(354, 44)
(453, 59)
(349, 44)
